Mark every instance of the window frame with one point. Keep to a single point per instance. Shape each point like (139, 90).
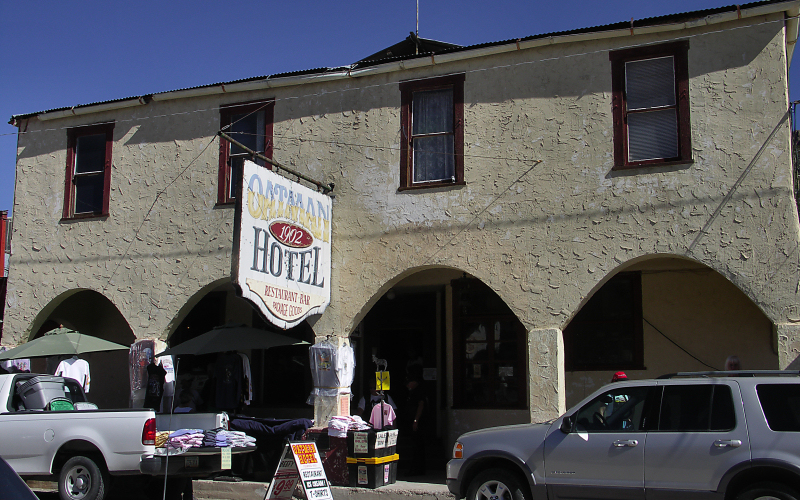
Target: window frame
(460, 340)
(680, 53)
(226, 112)
(593, 406)
(713, 405)
(637, 363)
(73, 134)
(407, 90)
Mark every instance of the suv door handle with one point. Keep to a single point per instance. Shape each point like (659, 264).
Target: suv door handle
(727, 443)
(626, 442)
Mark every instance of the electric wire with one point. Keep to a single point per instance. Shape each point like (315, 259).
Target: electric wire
(366, 87)
(396, 82)
(679, 346)
(150, 210)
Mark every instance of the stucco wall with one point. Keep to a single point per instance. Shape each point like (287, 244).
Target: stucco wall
(543, 235)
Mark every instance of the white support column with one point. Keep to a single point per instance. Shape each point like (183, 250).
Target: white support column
(546, 383)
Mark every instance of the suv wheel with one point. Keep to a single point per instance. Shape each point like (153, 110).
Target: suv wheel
(768, 491)
(495, 484)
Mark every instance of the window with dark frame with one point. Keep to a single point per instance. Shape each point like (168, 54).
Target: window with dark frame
(781, 406)
(696, 408)
(88, 174)
(618, 410)
(251, 125)
(490, 346)
(432, 121)
(650, 103)
(607, 333)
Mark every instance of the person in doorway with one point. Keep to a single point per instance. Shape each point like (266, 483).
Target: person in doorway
(414, 420)
(732, 363)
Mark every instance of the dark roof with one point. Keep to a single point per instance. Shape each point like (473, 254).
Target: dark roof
(413, 47)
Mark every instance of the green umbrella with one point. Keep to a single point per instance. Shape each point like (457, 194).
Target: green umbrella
(62, 342)
(231, 338)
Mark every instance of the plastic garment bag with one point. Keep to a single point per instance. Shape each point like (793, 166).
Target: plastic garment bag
(332, 369)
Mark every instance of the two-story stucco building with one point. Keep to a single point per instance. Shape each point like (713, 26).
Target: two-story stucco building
(522, 218)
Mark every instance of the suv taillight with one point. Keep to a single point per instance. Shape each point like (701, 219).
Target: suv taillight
(149, 432)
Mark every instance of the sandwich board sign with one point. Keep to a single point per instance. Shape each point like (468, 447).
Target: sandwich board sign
(299, 462)
(281, 258)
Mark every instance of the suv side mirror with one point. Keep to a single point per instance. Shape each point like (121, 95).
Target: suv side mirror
(567, 423)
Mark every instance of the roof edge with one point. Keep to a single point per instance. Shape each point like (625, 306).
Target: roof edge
(791, 8)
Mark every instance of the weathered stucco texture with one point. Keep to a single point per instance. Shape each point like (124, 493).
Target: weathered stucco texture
(543, 218)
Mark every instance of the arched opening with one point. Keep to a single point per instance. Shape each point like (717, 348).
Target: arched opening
(280, 376)
(467, 344)
(91, 313)
(663, 315)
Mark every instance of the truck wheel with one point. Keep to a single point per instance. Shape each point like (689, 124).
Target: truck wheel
(82, 479)
(768, 491)
(495, 484)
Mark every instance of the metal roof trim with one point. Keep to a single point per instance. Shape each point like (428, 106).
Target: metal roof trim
(669, 22)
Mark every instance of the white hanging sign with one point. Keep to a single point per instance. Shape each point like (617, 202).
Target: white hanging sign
(282, 246)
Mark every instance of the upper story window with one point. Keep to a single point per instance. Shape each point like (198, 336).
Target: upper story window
(251, 125)
(432, 121)
(88, 179)
(650, 92)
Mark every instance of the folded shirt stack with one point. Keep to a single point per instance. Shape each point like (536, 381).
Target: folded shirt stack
(184, 439)
(338, 425)
(210, 437)
(237, 439)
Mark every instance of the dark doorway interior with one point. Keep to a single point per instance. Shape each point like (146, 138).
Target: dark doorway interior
(404, 328)
(281, 375)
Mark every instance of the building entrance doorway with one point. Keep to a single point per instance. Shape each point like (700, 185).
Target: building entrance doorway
(406, 328)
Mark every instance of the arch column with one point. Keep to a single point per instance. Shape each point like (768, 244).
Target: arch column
(546, 384)
(788, 338)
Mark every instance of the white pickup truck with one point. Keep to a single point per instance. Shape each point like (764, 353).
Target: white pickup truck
(49, 432)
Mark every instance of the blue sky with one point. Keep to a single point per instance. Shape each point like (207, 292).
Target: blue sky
(64, 53)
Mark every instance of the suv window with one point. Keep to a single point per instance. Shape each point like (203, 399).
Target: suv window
(697, 408)
(619, 409)
(781, 405)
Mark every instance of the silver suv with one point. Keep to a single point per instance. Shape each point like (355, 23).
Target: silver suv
(716, 435)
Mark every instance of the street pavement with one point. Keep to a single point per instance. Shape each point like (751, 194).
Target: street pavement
(431, 487)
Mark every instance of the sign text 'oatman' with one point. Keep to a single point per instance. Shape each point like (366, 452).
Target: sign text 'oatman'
(283, 260)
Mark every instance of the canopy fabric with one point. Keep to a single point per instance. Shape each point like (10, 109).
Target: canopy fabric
(231, 338)
(63, 343)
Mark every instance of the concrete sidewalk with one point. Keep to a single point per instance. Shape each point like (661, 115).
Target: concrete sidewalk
(425, 487)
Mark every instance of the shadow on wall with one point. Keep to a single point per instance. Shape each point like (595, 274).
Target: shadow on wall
(554, 72)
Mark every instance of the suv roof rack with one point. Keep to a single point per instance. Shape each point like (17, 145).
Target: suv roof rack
(734, 373)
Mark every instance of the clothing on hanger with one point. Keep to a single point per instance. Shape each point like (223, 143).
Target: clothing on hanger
(77, 369)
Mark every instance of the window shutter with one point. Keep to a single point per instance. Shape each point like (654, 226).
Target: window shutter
(653, 134)
(652, 119)
(650, 83)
